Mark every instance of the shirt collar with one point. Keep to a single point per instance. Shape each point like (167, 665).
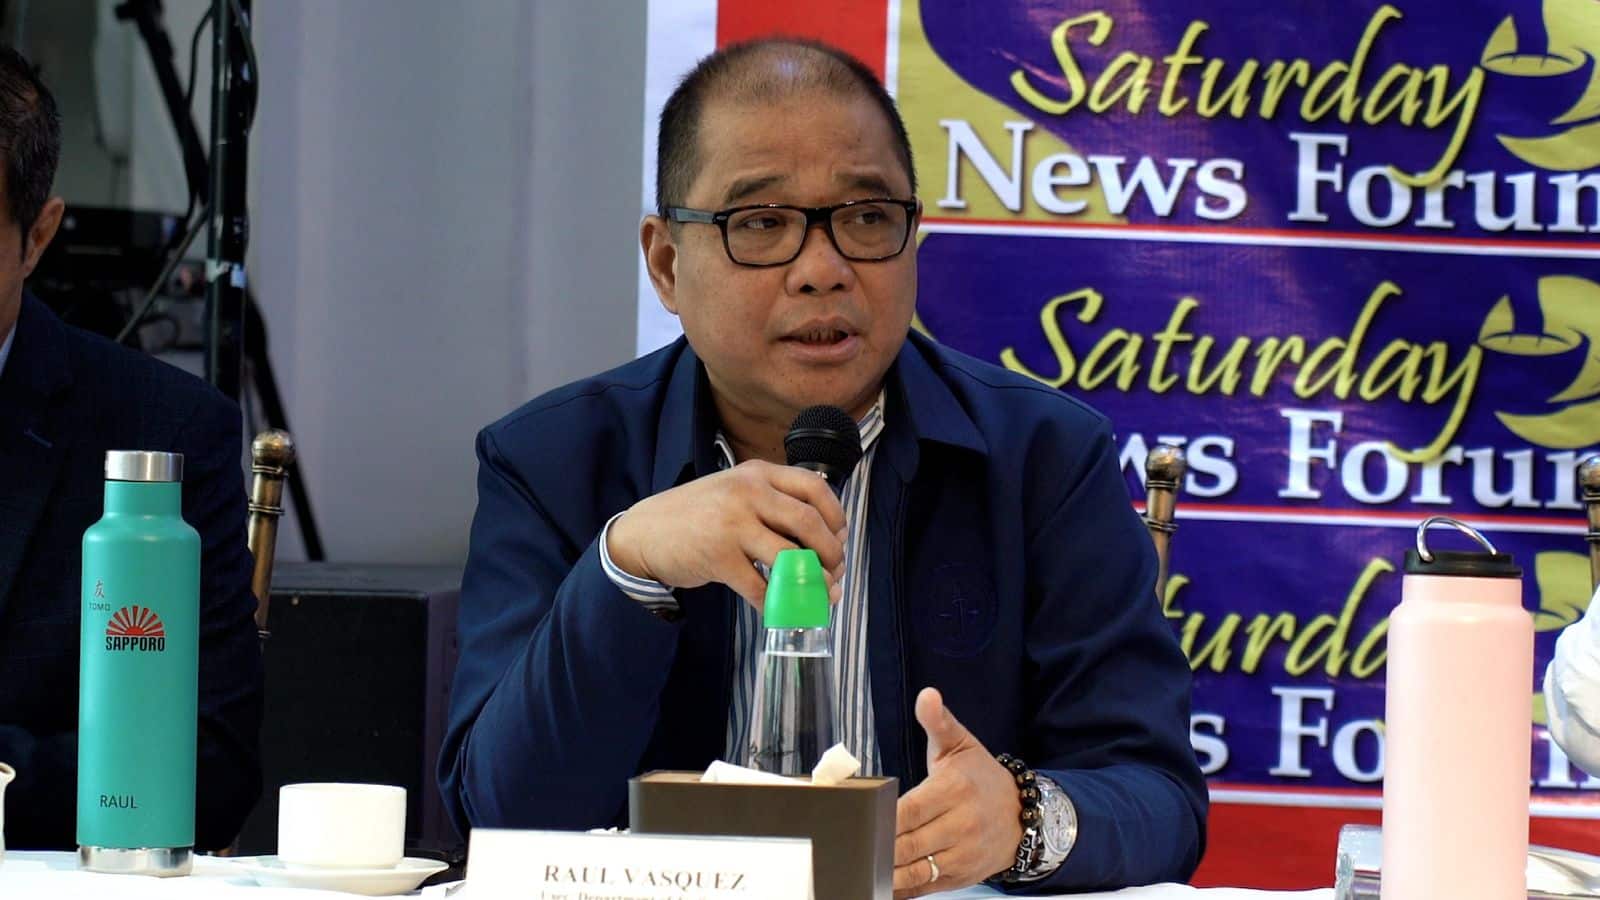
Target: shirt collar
(926, 409)
(869, 427)
(5, 348)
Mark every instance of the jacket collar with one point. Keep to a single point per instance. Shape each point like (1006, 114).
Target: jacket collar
(920, 408)
(38, 368)
(31, 449)
(686, 430)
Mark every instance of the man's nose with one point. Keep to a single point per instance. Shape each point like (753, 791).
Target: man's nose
(820, 267)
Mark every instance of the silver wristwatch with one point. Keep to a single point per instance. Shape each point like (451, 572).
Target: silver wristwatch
(1058, 828)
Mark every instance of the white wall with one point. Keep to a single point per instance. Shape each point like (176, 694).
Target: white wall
(445, 208)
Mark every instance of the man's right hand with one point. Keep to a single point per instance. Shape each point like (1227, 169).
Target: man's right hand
(714, 528)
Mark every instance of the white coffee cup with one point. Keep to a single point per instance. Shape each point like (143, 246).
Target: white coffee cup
(344, 826)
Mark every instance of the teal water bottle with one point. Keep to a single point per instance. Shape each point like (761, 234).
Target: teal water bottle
(139, 673)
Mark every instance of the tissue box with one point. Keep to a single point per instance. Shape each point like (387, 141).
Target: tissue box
(851, 825)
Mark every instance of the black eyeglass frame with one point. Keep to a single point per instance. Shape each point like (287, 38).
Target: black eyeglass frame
(815, 215)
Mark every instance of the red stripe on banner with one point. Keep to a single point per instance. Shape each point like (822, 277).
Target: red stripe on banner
(1299, 234)
(860, 29)
(1189, 507)
(1293, 847)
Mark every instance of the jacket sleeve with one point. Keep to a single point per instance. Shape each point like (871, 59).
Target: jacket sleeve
(1112, 720)
(228, 765)
(560, 676)
(1572, 691)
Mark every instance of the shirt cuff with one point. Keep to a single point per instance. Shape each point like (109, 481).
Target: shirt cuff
(655, 596)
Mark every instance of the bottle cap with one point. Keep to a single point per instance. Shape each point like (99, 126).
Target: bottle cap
(1469, 563)
(143, 465)
(797, 592)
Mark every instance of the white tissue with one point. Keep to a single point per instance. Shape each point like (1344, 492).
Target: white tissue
(835, 766)
(728, 773)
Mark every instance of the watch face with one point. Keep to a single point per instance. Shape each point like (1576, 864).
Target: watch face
(1057, 824)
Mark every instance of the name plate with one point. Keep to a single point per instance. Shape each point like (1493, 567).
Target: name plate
(566, 865)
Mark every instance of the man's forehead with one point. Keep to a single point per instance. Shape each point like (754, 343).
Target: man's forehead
(860, 182)
(841, 143)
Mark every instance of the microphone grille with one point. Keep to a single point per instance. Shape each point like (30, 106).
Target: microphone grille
(824, 434)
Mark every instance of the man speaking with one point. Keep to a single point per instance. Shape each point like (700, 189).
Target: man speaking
(994, 605)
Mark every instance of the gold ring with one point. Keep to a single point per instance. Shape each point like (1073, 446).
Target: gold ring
(934, 867)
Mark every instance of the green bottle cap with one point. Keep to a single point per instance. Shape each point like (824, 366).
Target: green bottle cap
(797, 592)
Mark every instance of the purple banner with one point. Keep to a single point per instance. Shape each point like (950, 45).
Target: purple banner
(1347, 254)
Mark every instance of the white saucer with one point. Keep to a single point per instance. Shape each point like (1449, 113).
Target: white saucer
(270, 871)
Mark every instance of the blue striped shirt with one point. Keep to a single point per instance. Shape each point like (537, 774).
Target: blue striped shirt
(852, 709)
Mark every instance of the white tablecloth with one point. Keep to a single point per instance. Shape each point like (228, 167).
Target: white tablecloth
(27, 875)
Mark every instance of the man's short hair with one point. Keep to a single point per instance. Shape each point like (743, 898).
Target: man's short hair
(742, 72)
(30, 139)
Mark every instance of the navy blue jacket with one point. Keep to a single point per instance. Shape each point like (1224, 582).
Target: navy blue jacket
(66, 397)
(1008, 569)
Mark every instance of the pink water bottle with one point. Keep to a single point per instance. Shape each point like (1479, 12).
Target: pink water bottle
(1458, 727)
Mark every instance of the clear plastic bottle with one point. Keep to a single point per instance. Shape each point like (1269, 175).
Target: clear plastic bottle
(791, 720)
(1458, 728)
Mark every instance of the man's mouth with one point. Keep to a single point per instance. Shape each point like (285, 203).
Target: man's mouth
(819, 336)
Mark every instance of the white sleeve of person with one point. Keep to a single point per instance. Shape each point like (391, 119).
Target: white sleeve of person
(653, 594)
(1572, 690)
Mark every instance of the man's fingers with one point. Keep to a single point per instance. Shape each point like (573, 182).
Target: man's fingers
(812, 488)
(803, 523)
(736, 571)
(938, 836)
(915, 879)
(921, 805)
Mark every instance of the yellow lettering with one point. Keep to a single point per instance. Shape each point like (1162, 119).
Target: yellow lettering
(1363, 665)
(1311, 109)
(1332, 649)
(1262, 629)
(1375, 383)
(1216, 651)
(1305, 651)
(1134, 84)
(1465, 104)
(1236, 96)
(1091, 300)
(1227, 370)
(1332, 89)
(1160, 380)
(1171, 104)
(1406, 100)
(1123, 350)
(1278, 77)
(1462, 381)
(1270, 355)
(1343, 373)
(1346, 96)
(1069, 66)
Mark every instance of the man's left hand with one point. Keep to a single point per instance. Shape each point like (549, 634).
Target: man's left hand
(964, 816)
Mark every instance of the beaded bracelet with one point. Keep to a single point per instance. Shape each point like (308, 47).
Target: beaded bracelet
(1031, 818)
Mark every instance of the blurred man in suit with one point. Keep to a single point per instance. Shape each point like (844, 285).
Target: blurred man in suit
(66, 397)
(994, 587)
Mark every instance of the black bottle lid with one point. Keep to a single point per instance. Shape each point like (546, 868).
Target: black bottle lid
(1486, 563)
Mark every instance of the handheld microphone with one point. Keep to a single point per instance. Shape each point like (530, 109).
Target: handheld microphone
(826, 440)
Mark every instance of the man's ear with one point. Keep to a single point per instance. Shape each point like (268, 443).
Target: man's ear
(661, 259)
(42, 232)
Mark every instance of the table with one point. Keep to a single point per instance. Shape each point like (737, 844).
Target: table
(33, 875)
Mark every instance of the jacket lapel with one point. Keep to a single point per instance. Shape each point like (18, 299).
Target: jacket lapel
(31, 450)
(920, 408)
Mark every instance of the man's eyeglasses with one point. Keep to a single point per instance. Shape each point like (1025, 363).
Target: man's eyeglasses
(772, 234)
